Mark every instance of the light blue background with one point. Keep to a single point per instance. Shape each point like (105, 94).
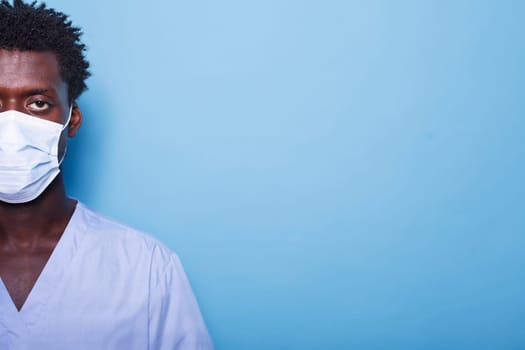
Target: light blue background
(333, 174)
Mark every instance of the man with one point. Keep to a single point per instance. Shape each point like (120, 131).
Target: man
(70, 278)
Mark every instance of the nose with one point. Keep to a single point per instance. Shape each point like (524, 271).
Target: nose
(10, 132)
(11, 105)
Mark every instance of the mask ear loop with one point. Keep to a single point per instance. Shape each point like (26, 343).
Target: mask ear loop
(65, 126)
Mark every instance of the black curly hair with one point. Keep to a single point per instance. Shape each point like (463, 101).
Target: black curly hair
(35, 27)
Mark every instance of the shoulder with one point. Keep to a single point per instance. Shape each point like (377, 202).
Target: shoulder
(148, 269)
(115, 238)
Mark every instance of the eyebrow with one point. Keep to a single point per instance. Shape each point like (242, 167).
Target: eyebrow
(37, 92)
(49, 91)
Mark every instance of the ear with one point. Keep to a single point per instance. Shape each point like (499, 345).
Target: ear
(76, 120)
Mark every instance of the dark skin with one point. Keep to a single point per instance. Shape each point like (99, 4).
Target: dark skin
(30, 83)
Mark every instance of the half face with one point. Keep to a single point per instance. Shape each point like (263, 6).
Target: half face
(30, 83)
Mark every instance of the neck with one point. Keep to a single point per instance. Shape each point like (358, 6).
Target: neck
(23, 226)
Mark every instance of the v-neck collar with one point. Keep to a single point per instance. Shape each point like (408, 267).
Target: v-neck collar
(54, 271)
(13, 326)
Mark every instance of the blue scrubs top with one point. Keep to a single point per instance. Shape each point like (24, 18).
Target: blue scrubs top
(105, 286)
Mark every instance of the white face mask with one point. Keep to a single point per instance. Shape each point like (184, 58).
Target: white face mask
(28, 155)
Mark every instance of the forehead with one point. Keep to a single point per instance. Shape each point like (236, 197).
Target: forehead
(20, 69)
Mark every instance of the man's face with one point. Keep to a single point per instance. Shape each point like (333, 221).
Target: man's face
(30, 83)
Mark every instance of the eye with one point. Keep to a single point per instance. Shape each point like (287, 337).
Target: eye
(39, 106)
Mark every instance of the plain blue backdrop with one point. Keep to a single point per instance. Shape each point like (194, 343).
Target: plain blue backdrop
(333, 174)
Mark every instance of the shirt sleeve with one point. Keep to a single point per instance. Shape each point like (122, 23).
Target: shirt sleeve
(175, 321)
